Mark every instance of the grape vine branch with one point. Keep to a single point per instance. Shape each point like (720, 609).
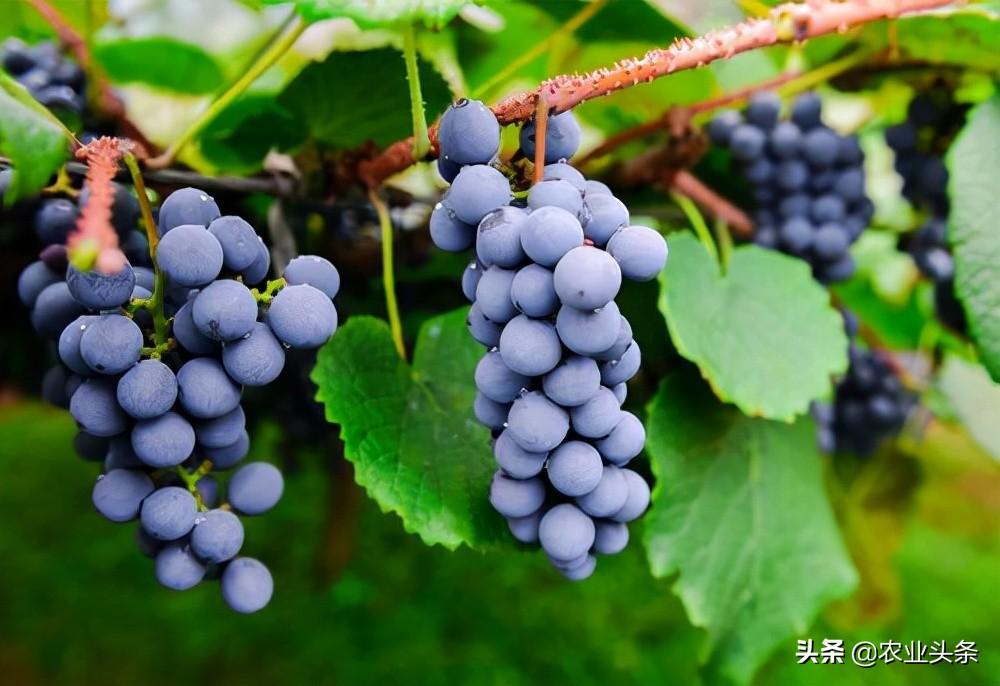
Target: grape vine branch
(785, 23)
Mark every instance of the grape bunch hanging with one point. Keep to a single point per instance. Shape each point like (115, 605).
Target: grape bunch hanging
(153, 363)
(52, 79)
(919, 144)
(808, 181)
(551, 385)
(869, 404)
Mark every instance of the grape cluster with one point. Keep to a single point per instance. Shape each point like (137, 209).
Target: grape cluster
(919, 144)
(869, 405)
(52, 79)
(808, 181)
(559, 352)
(161, 408)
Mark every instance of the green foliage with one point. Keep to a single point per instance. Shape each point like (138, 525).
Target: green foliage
(973, 398)
(31, 137)
(410, 431)
(740, 514)
(162, 63)
(974, 218)
(355, 97)
(763, 333)
(372, 13)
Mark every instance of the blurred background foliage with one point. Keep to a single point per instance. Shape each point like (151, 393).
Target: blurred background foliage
(915, 553)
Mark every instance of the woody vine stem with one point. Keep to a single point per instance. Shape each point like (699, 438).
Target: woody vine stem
(785, 23)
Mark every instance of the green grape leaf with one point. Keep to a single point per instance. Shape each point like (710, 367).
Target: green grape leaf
(974, 229)
(31, 137)
(238, 140)
(740, 514)
(974, 400)
(376, 13)
(964, 34)
(369, 101)
(763, 334)
(409, 430)
(161, 62)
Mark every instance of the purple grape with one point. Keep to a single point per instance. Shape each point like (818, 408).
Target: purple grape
(536, 423)
(118, 495)
(516, 497)
(164, 441)
(562, 137)
(530, 346)
(168, 513)
(205, 390)
(515, 460)
(640, 251)
(574, 468)
(256, 360)
(315, 271)
(111, 345)
(468, 133)
(608, 497)
(625, 441)
(247, 585)
(187, 206)
(238, 240)
(566, 533)
(302, 317)
(575, 381)
(147, 390)
(189, 256)
(255, 488)
(533, 291)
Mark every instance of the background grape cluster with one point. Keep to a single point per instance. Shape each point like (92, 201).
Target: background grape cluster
(546, 271)
(869, 405)
(919, 143)
(52, 79)
(808, 181)
(163, 414)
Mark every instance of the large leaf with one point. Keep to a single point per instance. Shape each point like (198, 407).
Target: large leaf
(238, 140)
(764, 334)
(974, 399)
(161, 62)
(975, 227)
(410, 431)
(965, 34)
(739, 512)
(31, 137)
(354, 97)
(372, 13)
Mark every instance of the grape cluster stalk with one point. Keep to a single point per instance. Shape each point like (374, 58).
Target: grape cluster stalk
(543, 282)
(153, 361)
(808, 181)
(919, 144)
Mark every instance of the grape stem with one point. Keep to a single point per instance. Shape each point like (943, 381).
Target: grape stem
(688, 186)
(191, 481)
(541, 129)
(421, 141)
(697, 222)
(283, 40)
(677, 117)
(267, 295)
(786, 23)
(388, 275)
(155, 307)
